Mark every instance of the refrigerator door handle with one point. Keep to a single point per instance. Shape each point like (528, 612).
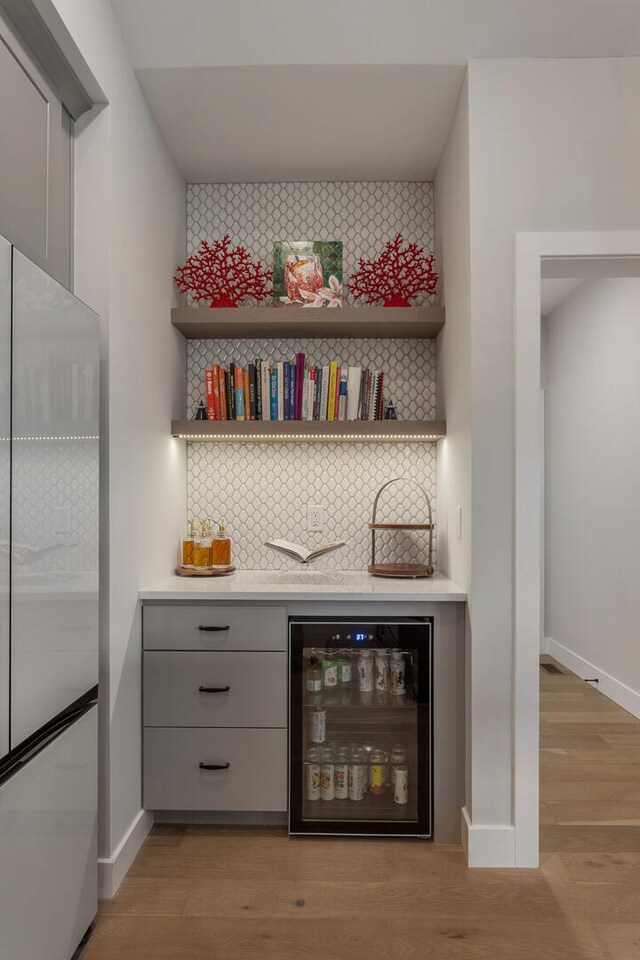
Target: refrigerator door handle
(213, 629)
(214, 689)
(214, 766)
(18, 758)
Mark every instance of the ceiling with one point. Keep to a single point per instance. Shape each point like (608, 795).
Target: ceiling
(561, 276)
(338, 90)
(243, 124)
(554, 292)
(213, 33)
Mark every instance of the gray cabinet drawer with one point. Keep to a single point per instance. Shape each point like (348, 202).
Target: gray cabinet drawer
(230, 627)
(255, 780)
(257, 696)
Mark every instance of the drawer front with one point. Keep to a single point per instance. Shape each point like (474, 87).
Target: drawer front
(256, 778)
(257, 694)
(213, 626)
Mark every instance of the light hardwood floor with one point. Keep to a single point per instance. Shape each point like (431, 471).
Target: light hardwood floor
(206, 893)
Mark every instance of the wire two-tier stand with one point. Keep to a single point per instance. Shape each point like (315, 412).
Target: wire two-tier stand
(401, 570)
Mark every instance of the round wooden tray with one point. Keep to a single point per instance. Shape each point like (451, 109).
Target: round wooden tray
(192, 572)
(406, 571)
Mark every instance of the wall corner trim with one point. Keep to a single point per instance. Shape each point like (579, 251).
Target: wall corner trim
(112, 870)
(45, 34)
(626, 697)
(488, 845)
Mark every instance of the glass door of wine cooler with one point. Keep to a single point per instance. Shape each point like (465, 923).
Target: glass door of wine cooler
(360, 726)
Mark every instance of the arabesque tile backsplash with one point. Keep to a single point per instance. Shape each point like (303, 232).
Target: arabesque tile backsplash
(264, 490)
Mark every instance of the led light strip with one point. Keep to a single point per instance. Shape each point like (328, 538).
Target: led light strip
(53, 438)
(317, 438)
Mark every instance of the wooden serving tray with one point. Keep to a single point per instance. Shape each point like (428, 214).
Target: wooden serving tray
(192, 572)
(408, 571)
(399, 526)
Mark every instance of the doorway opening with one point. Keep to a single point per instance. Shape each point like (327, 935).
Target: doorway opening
(563, 257)
(590, 604)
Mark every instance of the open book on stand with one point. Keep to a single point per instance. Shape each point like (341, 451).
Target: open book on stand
(302, 554)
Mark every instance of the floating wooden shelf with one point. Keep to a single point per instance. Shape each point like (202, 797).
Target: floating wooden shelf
(365, 431)
(371, 323)
(399, 526)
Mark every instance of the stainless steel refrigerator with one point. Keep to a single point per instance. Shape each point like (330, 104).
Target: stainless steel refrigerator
(49, 352)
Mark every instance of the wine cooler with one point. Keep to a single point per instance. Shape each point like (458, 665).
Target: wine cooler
(360, 726)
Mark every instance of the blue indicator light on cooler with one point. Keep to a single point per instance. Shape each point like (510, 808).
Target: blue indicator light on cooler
(360, 637)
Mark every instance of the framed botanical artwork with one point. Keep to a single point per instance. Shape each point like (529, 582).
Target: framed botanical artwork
(307, 273)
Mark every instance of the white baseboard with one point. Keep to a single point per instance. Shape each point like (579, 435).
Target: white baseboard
(112, 870)
(619, 692)
(488, 845)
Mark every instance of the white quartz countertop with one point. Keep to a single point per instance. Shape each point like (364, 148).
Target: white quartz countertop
(303, 585)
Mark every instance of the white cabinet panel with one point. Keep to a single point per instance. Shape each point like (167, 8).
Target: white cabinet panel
(54, 512)
(48, 848)
(214, 626)
(255, 778)
(5, 476)
(36, 169)
(214, 689)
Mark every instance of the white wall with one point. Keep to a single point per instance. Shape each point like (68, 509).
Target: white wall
(453, 347)
(592, 405)
(130, 234)
(553, 146)
(453, 384)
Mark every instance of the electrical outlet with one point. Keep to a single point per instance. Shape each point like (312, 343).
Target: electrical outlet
(315, 517)
(61, 519)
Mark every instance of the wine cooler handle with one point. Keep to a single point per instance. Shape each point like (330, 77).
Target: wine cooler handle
(214, 689)
(213, 629)
(214, 766)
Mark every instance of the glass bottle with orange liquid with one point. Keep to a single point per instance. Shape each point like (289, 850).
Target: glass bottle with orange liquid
(221, 546)
(187, 546)
(202, 546)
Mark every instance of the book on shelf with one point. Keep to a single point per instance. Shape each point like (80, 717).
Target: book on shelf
(298, 386)
(222, 393)
(273, 393)
(324, 396)
(252, 382)
(217, 407)
(354, 378)
(304, 554)
(307, 411)
(294, 390)
(380, 399)
(336, 402)
(208, 379)
(364, 395)
(245, 391)
(258, 365)
(231, 413)
(280, 389)
(286, 391)
(342, 395)
(265, 391)
(238, 384)
(331, 393)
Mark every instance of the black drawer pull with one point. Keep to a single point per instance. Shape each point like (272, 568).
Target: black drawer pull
(214, 689)
(214, 766)
(213, 629)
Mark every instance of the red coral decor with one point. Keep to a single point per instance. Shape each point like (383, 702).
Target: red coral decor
(396, 276)
(223, 274)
